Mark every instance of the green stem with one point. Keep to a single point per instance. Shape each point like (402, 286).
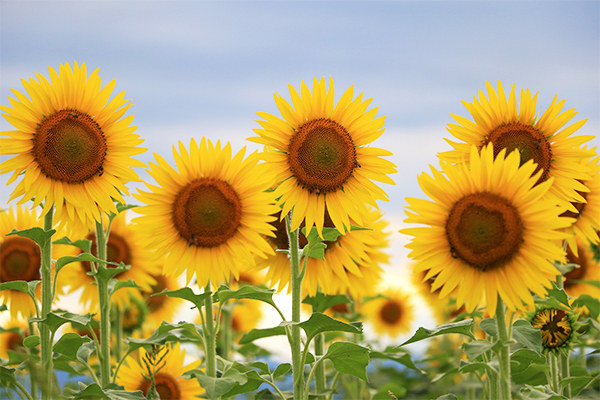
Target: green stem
(310, 375)
(564, 358)
(319, 367)
(103, 297)
(210, 348)
(554, 374)
(297, 366)
(503, 353)
(46, 342)
(226, 333)
(34, 369)
(23, 390)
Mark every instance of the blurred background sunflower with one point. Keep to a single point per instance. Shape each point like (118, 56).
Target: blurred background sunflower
(390, 314)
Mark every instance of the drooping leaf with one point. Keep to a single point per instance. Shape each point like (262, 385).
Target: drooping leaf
(489, 326)
(527, 335)
(114, 285)
(404, 359)
(281, 370)
(95, 392)
(527, 366)
(559, 294)
(55, 319)
(254, 380)
(31, 341)
(321, 302)
(461, 327)
(69, 344)
(22, 286)
(319, 323)
(349, 358)
(245, 292)
(447, 396)
(84, 351)
(85, 245)
(476, 348)
(466, 367)
(7, 376)
(38, 235)
(262, 333)
(187, 294)
(217, 387)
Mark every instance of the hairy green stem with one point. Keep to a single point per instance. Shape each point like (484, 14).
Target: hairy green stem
(103, 297)
(45, 339)
(319, 367)
(564, 367)
(34, 369)
(226, 332)
(118, 328)
(503, 353)
(554, 374)
(210, 349)
(297, 365)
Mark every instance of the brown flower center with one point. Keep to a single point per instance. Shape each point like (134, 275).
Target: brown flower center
(69, 146)
(391, 312)
(555, 327)
(322, 156)
(531, 143)
(576, 273)
(20, 260)
(341, 308)
(484, 230)
(166, 386)
(117, 250)
(207, 212)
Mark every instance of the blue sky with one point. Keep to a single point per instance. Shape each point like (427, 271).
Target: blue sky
(197, 68)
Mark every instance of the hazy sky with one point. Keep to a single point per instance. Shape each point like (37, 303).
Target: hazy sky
(195, 68)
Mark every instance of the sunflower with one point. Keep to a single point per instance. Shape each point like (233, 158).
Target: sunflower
(587, 218)
(12, 336)
(124, 245)
(489, 230)
(443, 309)
(72, 143)
(169, 382)
(352, 261)
(390, 315)
(161, 308)
(557, 154)
(20, 260)
(320, 156)
(208, 217)
(559, 328)
(589, 270)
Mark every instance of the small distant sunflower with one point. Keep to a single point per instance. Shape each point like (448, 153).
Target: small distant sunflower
(392, 315)
(209, 216)
(489, 230)
(72, 144)
(169, 382)
(589, 270)
(321, 157)
(587, 218)
(357, 253)
(125, 245)
(161, 308)
(20, 260)
(497, 121)
(559, 328)
(12, 336)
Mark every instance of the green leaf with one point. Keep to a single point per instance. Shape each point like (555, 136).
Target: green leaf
(447, 396)
(3, 307)
(95, 392)
(7, 376)
(245, 292)
(315, 250)
(187, 294)
(114, 285)
(595, 283)
(281, 370)
(266, 394)
(84, 244)
(55, 319)
(254, 380)
(477, 348)
(31, 341)
(559, 294)
(529, 392)
(489, 326)
(21, 286)
(461, 327)
(321, 302)
(564, 268)
(404, 359)
(124, 207)
(108, 273)
(319, 323)
(262, 333)
(38, 235)
(527, 335)
(61, 262)
(187, 329)
(69, 344)
(349, 358)
(526, 366)
(216, 387)
(466, 367)
(592, 304)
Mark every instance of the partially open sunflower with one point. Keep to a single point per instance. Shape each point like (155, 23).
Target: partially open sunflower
(72, 147)
(557, 153)
(488, 230)
(321, 156)
(208, 217)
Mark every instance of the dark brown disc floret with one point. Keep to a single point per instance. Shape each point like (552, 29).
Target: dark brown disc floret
(20, 260)
(484, 230)
(531, 143)
(69, 146)
(207, 212)
(391, 312)
(322, 156)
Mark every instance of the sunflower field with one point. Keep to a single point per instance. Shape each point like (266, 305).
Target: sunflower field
(93, 285)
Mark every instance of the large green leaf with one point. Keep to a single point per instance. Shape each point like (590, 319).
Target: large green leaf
(245, 292)
(559, 294)
(187, 294)
(489, 326)
(7, 376)
(38, 235)
(21, 286)
(217, 387)
(591, 303)
(476, 348)
(527, 335)
(95, 392)
(85, 245)
(69, 344)
(466, 367)
(461, 327)
(321, 302)
(319, 323)
(84, 351)
(527, 366)
(349, 358)
(54, 320)
(254, 380)
(262, 333)
(281, 370)
(404, 359)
